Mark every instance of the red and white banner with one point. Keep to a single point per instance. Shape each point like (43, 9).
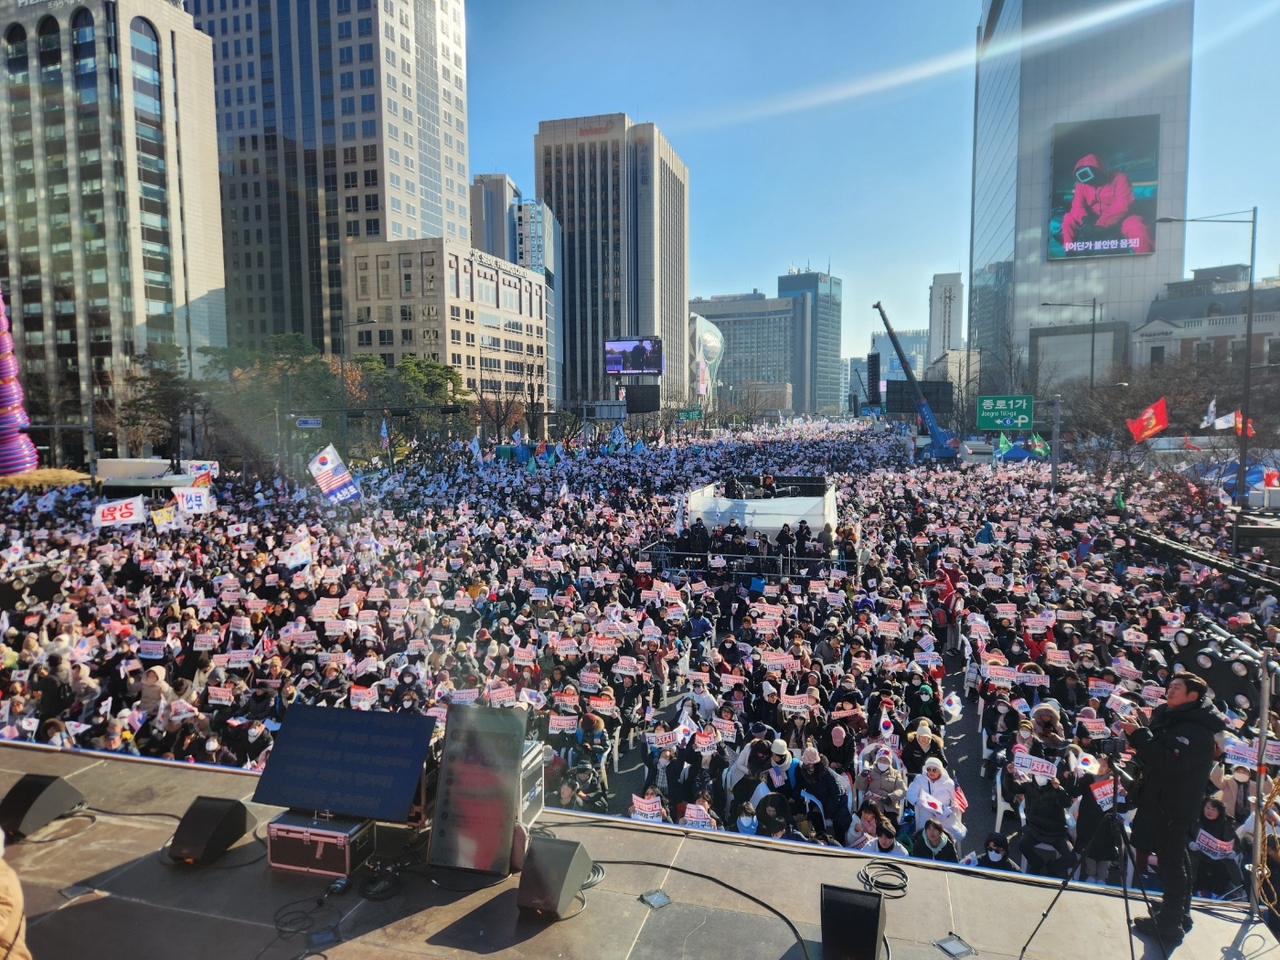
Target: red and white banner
(116, 513)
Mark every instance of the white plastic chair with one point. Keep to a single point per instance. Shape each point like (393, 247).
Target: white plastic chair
(1002, 805)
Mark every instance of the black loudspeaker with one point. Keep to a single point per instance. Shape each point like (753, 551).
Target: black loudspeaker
(852, 924)
(208, 829)
(554, 872)
(34, 801)
(873, 379)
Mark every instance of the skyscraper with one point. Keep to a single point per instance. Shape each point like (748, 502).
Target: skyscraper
(946, 313)
(826, 292)
(492, 214)
(109, 237)
(621, 195)
(540, 246)
(766, 340)
(1077, 101)
(337, 119)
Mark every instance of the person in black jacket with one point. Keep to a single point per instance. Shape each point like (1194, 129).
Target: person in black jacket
(1045, 841)
(934, 843)
(1176, 750)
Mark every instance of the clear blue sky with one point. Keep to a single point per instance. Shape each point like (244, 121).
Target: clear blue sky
(878, 183)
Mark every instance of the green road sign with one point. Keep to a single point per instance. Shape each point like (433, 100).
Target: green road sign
(692, 414)
(1006, 413)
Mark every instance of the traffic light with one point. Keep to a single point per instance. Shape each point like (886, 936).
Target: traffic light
(451, 408)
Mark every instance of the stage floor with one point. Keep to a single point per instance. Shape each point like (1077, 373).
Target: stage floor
(103, 892)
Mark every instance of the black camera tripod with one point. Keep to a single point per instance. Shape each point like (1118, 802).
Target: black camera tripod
(1113, 822)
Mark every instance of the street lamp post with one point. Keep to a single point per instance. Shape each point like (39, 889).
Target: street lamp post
(1093, 329)
(1242, 468)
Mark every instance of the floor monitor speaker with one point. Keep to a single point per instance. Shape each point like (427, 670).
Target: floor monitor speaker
(35, 800)
(852, 924)
(208, 829)
(554, 871)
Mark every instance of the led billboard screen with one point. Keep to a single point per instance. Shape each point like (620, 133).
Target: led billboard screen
(627, 357)
(1103, 182)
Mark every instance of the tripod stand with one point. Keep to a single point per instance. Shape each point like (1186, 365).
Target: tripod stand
(1113, 822)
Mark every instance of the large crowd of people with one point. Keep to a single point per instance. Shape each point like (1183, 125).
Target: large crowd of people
(784, 683)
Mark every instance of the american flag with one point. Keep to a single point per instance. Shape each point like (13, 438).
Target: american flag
(959, 803)
(386, 439)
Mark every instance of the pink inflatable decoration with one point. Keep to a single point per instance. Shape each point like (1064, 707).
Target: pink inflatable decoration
(17, 452)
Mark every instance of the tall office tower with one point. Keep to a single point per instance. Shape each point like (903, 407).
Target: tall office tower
(946, 313)
(915, 344)
(493, 215)
(109, 233)
(824, 354)
(621, 195)
(337, 120)
(540, 246)
(1080, 144)
(766, 340)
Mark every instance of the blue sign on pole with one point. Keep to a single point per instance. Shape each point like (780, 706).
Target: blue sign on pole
(308, 423)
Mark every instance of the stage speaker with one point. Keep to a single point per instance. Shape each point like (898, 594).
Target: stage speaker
(554, 871)
(208, 829)
(34, 801)
(852, 924)
(873, 379)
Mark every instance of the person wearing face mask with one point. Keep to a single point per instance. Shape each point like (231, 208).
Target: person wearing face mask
(664, 775)
(923, 744)
(996, 856)
(216, 753)
(257, 741)
(884, 783)
(1045, 842)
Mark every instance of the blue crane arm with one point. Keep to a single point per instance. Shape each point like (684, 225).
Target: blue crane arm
(943, 444)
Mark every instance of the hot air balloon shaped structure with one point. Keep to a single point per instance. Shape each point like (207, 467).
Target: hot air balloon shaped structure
(17, 452)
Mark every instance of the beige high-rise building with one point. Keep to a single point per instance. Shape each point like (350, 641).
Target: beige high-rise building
(445, 301)
(621, 195)
(110, 228)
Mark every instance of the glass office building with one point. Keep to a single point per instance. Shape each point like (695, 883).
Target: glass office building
(107, 241)
(1074, 96)
(337, 120)
(823, 358)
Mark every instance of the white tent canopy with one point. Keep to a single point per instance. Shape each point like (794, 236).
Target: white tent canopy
(766, 516)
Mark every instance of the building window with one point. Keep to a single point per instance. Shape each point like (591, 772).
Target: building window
(1237, 351)
(389, 360)
(364, 338)
(1204, 351)
(406, 336)
(353, 228)
(386, 338)
(1157, 356)
(1273, 352)
(373, 227)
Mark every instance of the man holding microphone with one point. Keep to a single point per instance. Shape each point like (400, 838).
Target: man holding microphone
(1177, 752)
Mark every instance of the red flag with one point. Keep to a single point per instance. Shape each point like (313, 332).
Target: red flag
(1271, 478)
(1186, 442)
(1149, 422)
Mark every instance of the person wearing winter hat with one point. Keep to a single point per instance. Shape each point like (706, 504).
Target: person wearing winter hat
(922, 744)
(996, 856)
(884, 782)
(816, 777)
(933, 793)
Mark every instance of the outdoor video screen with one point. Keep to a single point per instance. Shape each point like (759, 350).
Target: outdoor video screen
(1103, 180)
(626, 357)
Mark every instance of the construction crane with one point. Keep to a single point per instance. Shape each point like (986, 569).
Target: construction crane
(943, 445)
